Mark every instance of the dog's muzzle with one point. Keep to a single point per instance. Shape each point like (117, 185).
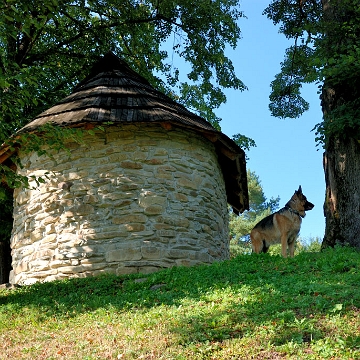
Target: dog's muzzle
(308, 206)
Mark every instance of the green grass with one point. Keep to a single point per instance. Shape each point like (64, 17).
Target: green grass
(251, 307)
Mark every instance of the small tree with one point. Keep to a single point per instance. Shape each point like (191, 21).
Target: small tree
(259, 207)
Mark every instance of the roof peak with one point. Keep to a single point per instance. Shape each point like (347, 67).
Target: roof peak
(108, 63)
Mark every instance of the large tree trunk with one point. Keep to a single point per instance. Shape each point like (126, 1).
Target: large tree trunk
(342, 172)
(342, 152)
(342, 202)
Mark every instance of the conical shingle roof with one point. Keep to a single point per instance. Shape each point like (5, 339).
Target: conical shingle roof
(113, 92)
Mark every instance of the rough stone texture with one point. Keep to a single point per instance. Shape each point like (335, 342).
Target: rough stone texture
(130, 199)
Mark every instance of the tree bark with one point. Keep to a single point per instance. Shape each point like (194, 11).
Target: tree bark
(342, 172)
(342, 201)
(342, 151)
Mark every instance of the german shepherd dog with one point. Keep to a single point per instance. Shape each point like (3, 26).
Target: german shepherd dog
(281, 227)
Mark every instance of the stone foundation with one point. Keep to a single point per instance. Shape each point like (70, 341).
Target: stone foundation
(130, 199)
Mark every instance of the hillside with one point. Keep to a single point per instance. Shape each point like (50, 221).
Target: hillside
(251, 307)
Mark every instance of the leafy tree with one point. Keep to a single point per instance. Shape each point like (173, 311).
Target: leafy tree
(45, 48)
(259, 207)
(326, 50)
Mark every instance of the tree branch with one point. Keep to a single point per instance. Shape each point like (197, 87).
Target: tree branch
(94, 30)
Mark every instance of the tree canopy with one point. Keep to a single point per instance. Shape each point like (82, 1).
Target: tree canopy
(326, 50)
(47, 46)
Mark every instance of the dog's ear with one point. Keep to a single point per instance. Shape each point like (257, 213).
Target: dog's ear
(299, 191)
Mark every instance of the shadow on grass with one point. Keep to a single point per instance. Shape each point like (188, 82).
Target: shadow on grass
(228, 299)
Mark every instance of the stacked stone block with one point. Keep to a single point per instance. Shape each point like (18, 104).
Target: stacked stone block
(128, 199)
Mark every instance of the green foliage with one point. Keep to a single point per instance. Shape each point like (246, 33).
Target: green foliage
(256, 306)
(302, 245)
(259, 207)
(285, 98)
(243, 141)
(326, 50)
(45, 48)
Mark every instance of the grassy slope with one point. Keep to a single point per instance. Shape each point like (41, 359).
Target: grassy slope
(258, 306)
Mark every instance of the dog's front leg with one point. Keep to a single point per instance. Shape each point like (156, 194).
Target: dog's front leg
(284, 242)
(292, 248)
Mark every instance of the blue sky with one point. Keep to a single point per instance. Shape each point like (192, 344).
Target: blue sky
(286, 155)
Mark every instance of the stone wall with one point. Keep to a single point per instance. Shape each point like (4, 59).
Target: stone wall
(130, 199)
